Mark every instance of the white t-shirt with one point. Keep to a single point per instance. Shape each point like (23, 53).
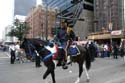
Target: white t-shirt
(17, 47)
(105, 47)
(12, 47)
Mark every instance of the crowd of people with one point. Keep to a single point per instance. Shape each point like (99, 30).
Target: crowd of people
(107, 50)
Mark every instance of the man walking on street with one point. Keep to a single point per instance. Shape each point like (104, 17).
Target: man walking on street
(12, 53)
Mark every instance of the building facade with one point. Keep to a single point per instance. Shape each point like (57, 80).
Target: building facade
(70, 12)
(83, 28)
(41, 22)
(109, 25)
(109, 14)
(66, 10)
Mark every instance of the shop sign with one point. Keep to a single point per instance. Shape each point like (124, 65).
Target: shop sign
(118, 32)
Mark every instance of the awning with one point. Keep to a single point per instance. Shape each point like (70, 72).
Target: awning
(104, 36)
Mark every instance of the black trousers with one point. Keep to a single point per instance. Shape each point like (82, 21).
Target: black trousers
(37, 61)
(12, 58)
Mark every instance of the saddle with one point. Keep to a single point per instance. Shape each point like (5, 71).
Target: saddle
(73, 50)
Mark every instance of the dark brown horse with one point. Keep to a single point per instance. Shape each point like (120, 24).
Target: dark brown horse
(40, 48)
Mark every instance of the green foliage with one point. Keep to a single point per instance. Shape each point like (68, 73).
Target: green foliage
(19, 30)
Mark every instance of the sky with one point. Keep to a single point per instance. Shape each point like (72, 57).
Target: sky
(6, 14)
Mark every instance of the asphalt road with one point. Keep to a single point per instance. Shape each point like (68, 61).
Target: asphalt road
(103, 70)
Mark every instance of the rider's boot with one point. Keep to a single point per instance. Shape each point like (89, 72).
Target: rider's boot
(64, 65)
(66, 54)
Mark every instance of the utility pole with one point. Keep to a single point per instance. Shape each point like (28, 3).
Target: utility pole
(95, 25)
(46, 21)
(110, 22)
(56, 11)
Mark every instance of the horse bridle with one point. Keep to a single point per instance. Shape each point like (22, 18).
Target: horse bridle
(38, 51)
(29, 44)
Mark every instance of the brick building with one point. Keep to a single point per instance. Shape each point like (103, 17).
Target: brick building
(37, 21)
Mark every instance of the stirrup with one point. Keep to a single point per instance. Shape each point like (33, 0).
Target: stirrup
(68, 63)
(65, 67)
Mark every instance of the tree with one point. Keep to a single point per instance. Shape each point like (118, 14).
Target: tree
(19, 29)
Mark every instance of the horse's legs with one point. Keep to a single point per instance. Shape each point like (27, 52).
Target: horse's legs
(53, 76)
(80, 73)
(46, 73)
(80, 70)
(55, 62)
(87, 75)
(68, 60)
(50, 69)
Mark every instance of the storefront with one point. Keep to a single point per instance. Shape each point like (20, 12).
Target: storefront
(107, 37)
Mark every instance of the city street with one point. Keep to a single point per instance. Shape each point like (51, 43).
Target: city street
(58, 27)
(103, 70)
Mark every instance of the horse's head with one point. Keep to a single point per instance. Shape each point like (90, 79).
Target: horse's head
(31, 46)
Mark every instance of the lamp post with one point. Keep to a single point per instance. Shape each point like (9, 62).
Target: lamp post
(110, 21)
(46, 18)
(110, 28)
(95, 19)
(46, 21)
(56, 11)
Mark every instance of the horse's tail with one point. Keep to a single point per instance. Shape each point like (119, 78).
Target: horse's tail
(88, 59)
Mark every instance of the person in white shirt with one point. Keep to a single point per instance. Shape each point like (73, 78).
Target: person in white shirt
(105, 50)
(12, 53)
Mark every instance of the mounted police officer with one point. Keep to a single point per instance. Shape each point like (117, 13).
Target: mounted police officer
(62, 34)
(65, 35)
